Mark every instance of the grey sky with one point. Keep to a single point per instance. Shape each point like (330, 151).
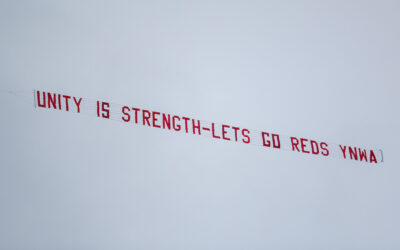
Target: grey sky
(320, 69)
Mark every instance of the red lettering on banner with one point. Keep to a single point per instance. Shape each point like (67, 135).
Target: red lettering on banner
(42, 105)
(136, 114)
(124, 108)
(324, 149)
(353, 153)
(245, 134)
(66, 97)
(358, 154)
(166, 121)
(314, 147)
(105, 108)
(343, 151)
(51, 99)
(176, 127)
(146, 116)
(266, 143)
(213, 131)
(224, 132)
(186, 123)
(236, 130)
(78, 103)
(295, 143)
(59, 101)
(62, 102)
(196, 127)
(363, 154)
(155, 119)
(303, 145)
(276, 143)
(372, 157)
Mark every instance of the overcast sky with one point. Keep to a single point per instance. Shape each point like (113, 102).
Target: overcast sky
(328, 70)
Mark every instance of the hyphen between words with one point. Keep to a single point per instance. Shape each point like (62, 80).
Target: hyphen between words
(135, 115)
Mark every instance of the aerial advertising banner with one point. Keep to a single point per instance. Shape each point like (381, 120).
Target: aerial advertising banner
(139, 116)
